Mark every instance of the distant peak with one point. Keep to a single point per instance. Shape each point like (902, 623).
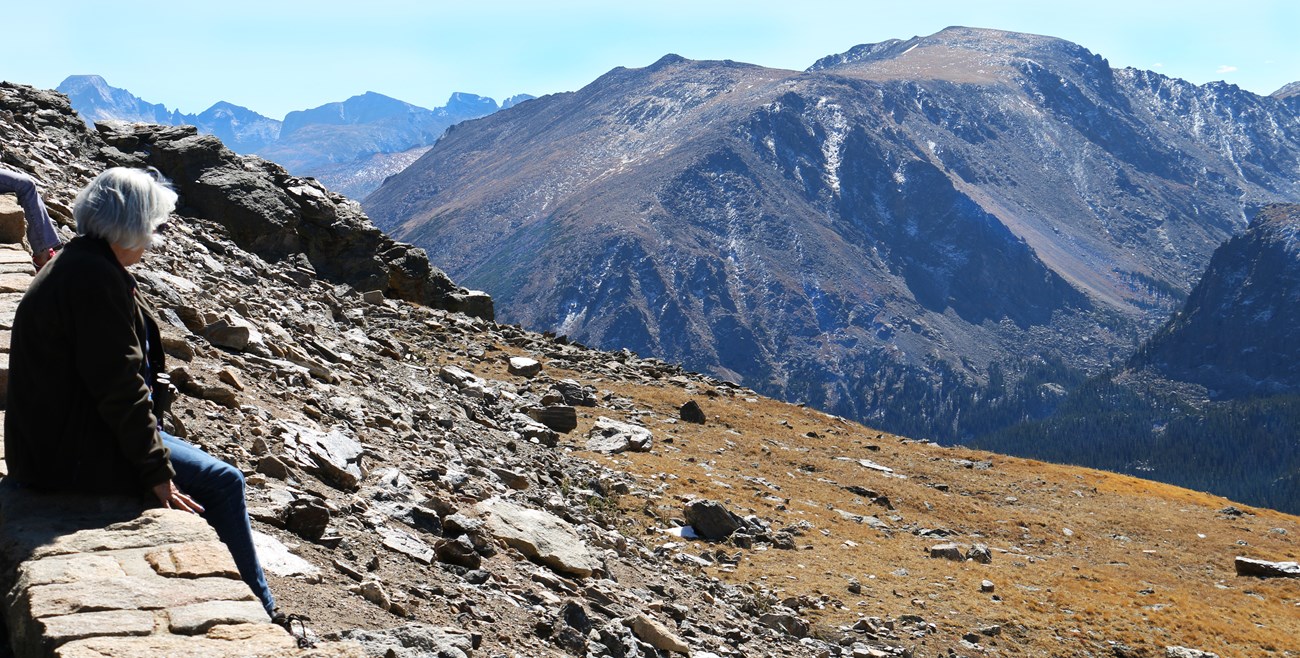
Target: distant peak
(81, 81)
(1287, 91)
(668, 60)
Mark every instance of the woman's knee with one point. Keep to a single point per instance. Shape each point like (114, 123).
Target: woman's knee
(228, 477)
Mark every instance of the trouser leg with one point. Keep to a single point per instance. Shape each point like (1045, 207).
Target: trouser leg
(219, 488)
(40, 229)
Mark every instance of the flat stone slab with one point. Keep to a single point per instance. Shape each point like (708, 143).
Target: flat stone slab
(540, 535)
(194, 560)
(109, 623)
(14, 282)
(199, 618)
(9, 306)
(20, 255)
(1264, 569)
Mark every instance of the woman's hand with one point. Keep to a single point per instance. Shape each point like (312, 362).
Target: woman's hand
(172, 498)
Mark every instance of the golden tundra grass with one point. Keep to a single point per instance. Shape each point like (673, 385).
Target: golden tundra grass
(1081, 558)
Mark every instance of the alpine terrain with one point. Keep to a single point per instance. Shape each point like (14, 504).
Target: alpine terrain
(425, 482)
(939, 236)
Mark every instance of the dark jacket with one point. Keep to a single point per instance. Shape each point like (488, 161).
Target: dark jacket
(79, 415)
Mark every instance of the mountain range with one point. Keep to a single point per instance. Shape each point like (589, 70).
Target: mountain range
(941, 236)
(351, 145)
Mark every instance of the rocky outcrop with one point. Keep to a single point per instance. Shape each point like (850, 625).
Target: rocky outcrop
(278, 216)
(1238, 335)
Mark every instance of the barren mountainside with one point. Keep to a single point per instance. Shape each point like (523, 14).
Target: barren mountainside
(885, 235)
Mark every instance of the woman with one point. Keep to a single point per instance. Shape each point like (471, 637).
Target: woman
(84, 358)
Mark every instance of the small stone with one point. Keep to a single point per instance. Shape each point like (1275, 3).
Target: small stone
(458, 551)
(373, 591)
(273, 466)
(373, 297)
(231, 378)
(307, 517)
(987, 586)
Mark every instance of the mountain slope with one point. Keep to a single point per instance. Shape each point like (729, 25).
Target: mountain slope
(875, 236)
(1239, 333)
(1212, 400)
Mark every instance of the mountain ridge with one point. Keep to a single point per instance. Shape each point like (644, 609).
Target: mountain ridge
(828, 236)
(351, 145)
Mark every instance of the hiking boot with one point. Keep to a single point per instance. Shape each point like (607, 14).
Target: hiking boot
(296, 626)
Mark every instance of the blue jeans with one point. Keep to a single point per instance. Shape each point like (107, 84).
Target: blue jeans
(40, 230)
(219, 488)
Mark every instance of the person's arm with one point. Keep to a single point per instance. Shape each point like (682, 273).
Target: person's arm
(110, 360)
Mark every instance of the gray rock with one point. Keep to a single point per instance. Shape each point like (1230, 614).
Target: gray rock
(692, 413)
(947, 552)
(611, 436)
(524, 366)
(785, 621)
(711, 520)
(1184, 652)
(414, 641)
(574, 394)
(558, 417)
(539, 535)
(333, 455)
(1262, 569)
(980, 553)
(405, 543)
(459, 551)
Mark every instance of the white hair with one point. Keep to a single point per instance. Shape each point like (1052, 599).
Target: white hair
(124, 206)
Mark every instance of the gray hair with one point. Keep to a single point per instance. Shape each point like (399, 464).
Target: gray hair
(124, 206)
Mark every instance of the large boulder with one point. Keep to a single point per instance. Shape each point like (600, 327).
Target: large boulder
(539, 535)
(711, 520)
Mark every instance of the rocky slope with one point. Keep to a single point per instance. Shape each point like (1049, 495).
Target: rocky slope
(351, 145)
(395, 459)
(885, 235)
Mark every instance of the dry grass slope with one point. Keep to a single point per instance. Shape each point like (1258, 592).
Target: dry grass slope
(1083, 560)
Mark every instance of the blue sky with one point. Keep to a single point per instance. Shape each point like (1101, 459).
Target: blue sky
(274, 56)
